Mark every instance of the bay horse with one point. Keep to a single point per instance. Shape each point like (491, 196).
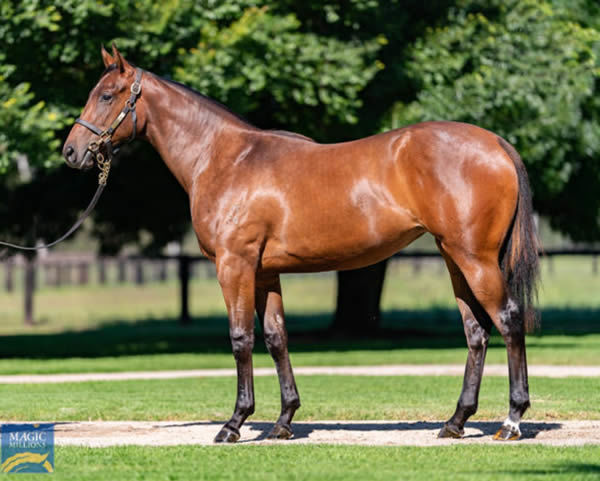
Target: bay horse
(270, 202)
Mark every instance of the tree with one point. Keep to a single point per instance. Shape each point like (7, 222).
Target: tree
(529, 71)
(232, 50)
(525, 69)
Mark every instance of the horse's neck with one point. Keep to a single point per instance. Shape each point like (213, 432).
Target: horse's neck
(192, 134)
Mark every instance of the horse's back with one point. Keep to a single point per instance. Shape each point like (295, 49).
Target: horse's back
(336, 206)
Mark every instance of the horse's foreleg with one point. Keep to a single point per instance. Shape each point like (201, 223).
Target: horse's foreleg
(237, 279)
(269, 307)
(477, 325)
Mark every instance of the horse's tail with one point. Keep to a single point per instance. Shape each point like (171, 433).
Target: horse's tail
(519, 256)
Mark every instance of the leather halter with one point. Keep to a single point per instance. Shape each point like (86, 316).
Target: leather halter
(103, 164)
(106, 135)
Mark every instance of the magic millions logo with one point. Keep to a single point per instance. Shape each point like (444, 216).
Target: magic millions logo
(27, 448)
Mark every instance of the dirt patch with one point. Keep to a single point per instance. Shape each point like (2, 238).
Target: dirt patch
(382, 433)
(389, 370)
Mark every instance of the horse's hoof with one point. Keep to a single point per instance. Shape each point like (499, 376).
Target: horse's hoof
(280, 431)
(227, 435)
(507, 433)
(451, 432)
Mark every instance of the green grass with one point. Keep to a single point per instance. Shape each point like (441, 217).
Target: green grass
(125, 327)
(327, 463)
(323, 397)
(572, 350)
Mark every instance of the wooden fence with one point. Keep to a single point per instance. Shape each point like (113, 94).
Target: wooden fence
(64, 270)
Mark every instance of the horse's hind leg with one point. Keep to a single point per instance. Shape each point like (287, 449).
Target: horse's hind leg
(269, 307)
(477, 325)
(484, 277)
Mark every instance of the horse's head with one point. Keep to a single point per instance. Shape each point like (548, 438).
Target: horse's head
(109, 116)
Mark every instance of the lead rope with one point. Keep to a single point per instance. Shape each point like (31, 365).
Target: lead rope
(104, 166)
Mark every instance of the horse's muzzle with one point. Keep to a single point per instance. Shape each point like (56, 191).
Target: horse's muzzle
(71, 158)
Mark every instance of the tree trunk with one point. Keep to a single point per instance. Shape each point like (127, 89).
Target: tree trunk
(358, 300)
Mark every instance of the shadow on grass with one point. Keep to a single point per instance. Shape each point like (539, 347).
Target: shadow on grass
(432, 328)
(567, 469)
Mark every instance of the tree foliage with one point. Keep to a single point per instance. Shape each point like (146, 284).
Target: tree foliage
(528, 71)
(263, 59)
(256, 59)
(333, 70)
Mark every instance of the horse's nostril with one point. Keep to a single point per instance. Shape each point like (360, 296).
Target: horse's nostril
(70, 154)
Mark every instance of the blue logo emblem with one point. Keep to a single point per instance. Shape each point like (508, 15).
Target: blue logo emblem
(27, 448)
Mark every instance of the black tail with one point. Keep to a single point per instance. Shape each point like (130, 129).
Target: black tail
(519, 257)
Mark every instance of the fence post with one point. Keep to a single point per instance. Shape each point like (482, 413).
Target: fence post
(417, 265)
(83, 277)
(161, 270)
(184, 282)
(139, 272)
(9, 272)
(57, 275)
(102, 270)
(122, 270)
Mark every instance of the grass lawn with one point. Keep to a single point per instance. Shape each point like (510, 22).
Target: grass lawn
(125, 327)
(323, 397)
(324, 462)
(215, 352)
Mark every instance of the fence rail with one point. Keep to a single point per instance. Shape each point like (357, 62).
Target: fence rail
(60, 270)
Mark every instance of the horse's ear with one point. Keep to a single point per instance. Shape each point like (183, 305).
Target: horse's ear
(106, 58)
(118, 58)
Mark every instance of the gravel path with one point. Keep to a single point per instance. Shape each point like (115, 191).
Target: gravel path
(384, 433)
(390, 370)
(392, 433)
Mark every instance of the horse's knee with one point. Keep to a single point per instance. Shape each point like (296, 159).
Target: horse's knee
(242, 342)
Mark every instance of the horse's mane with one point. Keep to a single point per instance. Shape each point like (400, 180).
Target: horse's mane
(214, 102)
(287, 133)
(228, 110)
(205, 98)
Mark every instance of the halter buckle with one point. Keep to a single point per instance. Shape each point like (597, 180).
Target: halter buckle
(94, 147)
(136, 88)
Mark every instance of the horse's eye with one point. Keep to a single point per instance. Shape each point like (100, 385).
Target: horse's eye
(106, 97)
